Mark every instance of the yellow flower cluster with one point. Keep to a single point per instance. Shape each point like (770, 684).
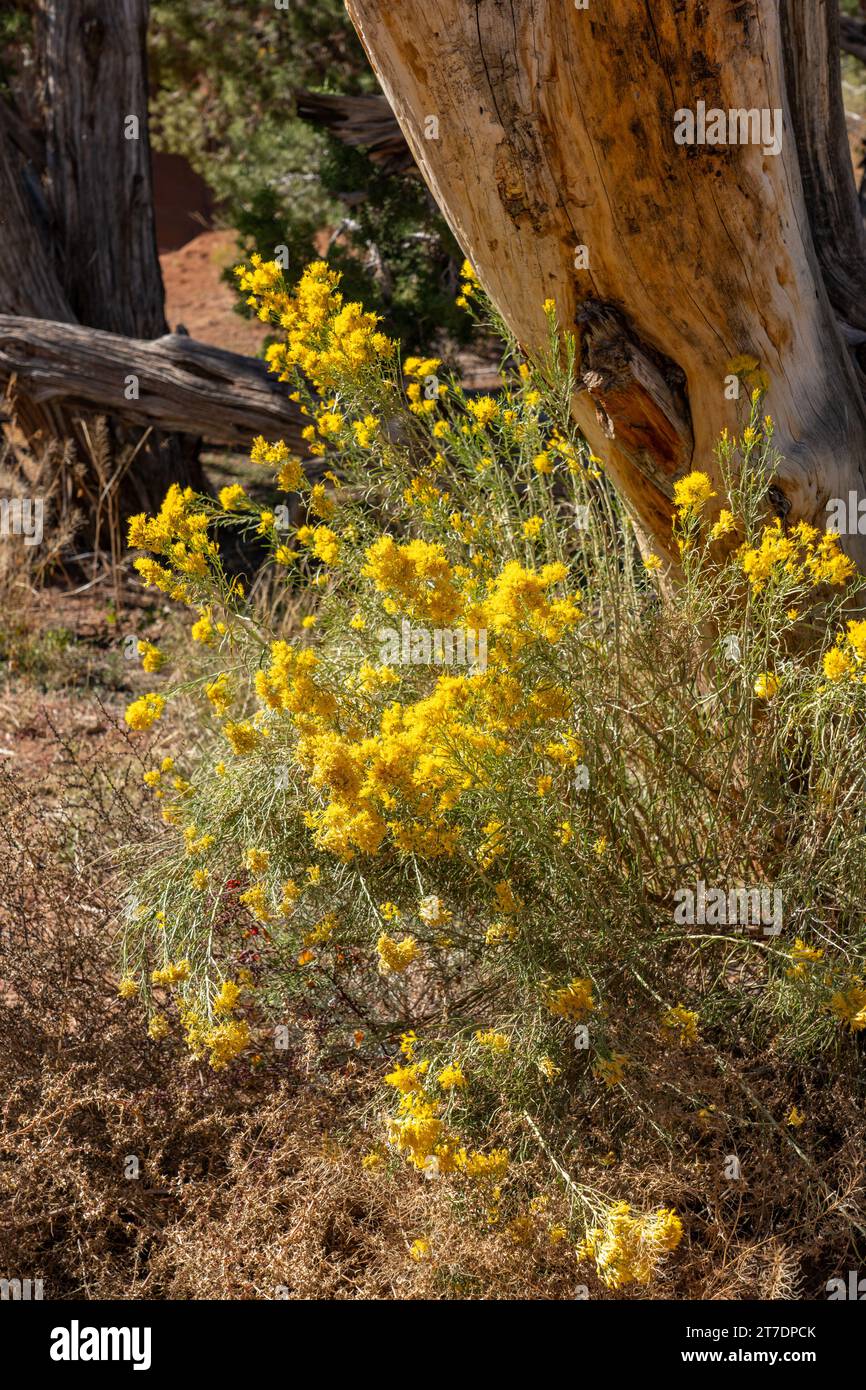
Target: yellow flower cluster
(172, 974)
(849, 1006)
(803, 555)
(691, 494)
(144, 712)
(681, 1024)
(470, 285)
(416, 578)
(629, 1246)
(845, 660)
(802, 956)
(573, 1001)
(289, 473)
(328, 339)
(179, 533)
(396, 956)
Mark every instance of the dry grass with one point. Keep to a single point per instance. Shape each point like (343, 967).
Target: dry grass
(250, 1181)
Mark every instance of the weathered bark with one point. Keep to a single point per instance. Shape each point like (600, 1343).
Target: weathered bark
(28, 282)
(97, 179)
(810, 35)
(182, 385)
(78, 237)
(556, 130)
(365, 122)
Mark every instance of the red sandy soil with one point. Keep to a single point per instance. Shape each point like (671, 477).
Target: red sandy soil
(193, 255)
(197, 297)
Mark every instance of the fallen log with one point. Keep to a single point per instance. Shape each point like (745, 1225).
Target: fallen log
(173, 383)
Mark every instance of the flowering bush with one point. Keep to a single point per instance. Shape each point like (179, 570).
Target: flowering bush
(467, 873)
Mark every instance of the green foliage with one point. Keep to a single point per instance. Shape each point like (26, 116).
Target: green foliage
(224, 88)
(394, 249)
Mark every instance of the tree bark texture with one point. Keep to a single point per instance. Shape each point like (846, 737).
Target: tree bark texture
(556, 131)
(181, 384)
(97, 174)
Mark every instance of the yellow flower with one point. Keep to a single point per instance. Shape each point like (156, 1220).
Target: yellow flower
(158, 1027)
(572, 1001)
(232, 497)
(144, 712)
(242, 737)
(724, 526)
(483, 410)
(611, 1070)
(766, 685)
(127, 989)
(395, 956)
(152, 658)
(692, 493)
(451, 1076)
(507, 900)
(227, 998)
(683, 1023)
(257, 860)
(432, 912)
(489, 1168)
(497, 1042)
(172, 974)
(629, 1246)
(795, 1117)
(849, 1006)
(837, 664)
(225, 1042)
(420, 1250)
(499, 932)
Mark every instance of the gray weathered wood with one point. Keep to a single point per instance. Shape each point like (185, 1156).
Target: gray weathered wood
(557, 134)
(184, 386)
(98, 185)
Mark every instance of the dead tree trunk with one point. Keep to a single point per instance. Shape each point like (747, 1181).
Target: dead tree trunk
(555, 157)
(97, 166)
(78, 241)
